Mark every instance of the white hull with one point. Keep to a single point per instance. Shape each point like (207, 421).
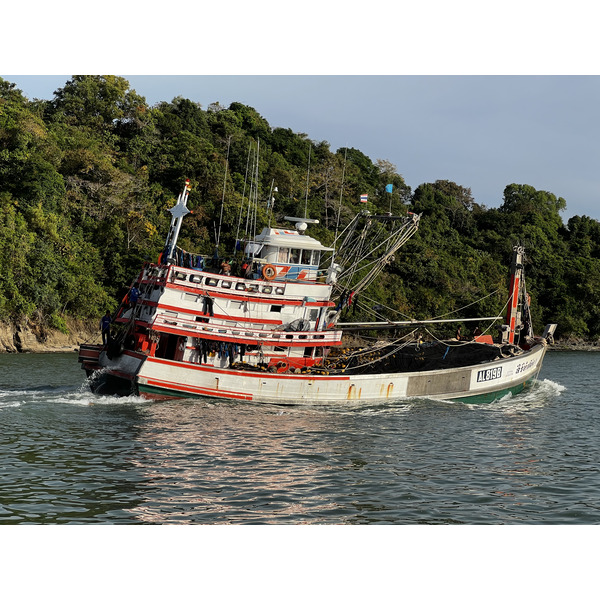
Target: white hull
(159, 378)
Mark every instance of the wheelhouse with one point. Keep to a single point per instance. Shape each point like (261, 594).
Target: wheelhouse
(287, 254)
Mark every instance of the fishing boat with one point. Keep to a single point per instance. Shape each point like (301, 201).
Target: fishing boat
(267, 328)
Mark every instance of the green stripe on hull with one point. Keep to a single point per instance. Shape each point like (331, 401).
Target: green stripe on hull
(489, 397)
(166, 393)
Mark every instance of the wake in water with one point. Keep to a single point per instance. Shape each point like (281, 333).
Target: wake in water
(535, 397)
(81, 396)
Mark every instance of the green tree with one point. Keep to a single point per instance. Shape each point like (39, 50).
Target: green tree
(100, 102)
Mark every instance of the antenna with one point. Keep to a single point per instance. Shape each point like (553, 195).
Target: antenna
(307, 179)
(178, 212)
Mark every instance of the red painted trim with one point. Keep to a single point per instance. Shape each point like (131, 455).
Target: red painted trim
(95, 354)
(201, 313)
(199, 391)
(238, 339)
(121, 374)
(244, 374)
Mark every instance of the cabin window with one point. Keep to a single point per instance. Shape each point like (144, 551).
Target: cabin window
(212, 281)
(253, 287)
(267, 289)
(196, 278)
(279, 349)
(253, 248)
(279, 291)
(316, 255)
(276, 308)
(283, 255)
(294, 255)
(314, 314)
(225, 284)
(308, 352)
(179, 275)
(305, 257)
(240, 286)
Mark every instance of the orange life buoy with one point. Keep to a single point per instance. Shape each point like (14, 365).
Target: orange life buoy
(269, 272)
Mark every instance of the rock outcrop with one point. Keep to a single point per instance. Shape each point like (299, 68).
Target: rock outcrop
(27, 336)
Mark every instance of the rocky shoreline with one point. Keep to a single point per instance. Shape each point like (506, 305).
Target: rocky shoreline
(28, 336)
(574, 346)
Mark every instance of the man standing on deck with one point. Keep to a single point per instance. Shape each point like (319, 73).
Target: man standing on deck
(134, 294)
(105, 327)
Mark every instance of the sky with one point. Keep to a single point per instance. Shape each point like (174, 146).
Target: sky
(459, 91)
(482, 132)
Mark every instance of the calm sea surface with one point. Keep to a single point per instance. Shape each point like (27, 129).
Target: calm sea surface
(67, 456)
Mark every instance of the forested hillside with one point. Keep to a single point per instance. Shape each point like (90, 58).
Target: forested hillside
(86, 180)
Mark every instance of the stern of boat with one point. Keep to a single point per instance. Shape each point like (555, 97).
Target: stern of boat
(114, 374)
(89, 357)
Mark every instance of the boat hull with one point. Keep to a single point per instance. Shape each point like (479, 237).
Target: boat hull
(115, 375)
(475, 384)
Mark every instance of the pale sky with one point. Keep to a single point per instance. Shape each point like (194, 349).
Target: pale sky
(482, 132)
(442, 90)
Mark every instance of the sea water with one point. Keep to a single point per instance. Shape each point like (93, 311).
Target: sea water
(70, 457)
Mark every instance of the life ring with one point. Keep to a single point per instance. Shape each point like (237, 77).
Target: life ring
(269, 272)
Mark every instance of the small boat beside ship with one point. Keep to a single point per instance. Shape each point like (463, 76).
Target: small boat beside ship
(266, 328)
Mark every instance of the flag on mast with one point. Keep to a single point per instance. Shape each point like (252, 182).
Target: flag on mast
(389, 187)
(364, 197)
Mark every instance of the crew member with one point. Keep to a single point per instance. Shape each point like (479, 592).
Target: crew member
(134, 294)
(105, 327)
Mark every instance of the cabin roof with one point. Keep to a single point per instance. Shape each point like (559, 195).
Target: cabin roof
(289, 238)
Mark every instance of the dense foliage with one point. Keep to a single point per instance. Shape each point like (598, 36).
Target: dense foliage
(86, 180)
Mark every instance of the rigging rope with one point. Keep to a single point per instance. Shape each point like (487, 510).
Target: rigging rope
(307, 180)
(237, 233)
(218, 238)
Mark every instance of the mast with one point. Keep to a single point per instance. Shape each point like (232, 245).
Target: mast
(513, 312)
(178, 212)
